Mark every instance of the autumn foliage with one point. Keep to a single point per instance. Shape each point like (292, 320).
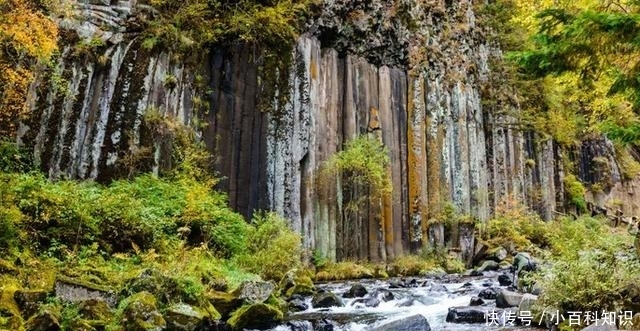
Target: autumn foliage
(27, 37)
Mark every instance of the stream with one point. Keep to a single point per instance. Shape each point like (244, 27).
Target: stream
(430, 297)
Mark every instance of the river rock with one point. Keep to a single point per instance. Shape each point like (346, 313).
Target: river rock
(297, 303)
(506, 298)
(411, 323)
(368, 302)
(46, 320)
(326, 300)
(466, 315)
(324, 325)
(383, 294)
(475, 301)
(140, 313)
(256, 316)
(488, 293)
(505, 280)
(356, 291)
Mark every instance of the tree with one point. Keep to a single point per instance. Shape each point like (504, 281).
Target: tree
(587, 54)
(27, 37)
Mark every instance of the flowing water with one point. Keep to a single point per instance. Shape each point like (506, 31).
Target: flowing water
(431, 297)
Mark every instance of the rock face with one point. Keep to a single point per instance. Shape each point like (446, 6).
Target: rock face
(413, 77)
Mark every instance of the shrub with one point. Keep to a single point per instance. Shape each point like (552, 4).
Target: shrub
(272, 249)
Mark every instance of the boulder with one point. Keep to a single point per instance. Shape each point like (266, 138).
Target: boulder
(488, 265)
(141, 314)
(76, 291)
(527, 302)
(367, 302)
(45, 320)
(466, 315)
(505, 280)
(600, 326)
(254, 291)
(183, 317)
(255, 316)
(95, 310)
(297, 304)
(29, 301)
(411, 323)
(475, 301)
(523, 262)
(383, 294)
(499, 254)
(325, 300)
(224, 302)
(296, 282)
(324, 325)
(356, 291)
(506, 298)
(488, 293)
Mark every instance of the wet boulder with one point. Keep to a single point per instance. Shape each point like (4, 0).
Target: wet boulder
(488, 293)
(356, 291)
(475, 301)
(466, 315)
(255, 316)
(324, 325)
(325, 300)
(297, 303)
(367, 302)
(141, 314)
(505, 280)
(411, 323)
(506, 298)
(383, 295)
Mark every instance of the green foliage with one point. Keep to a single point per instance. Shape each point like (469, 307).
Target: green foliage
(363, 162)
(14, 158)
(589, 266)
(185, 26)
(575, 191)
(273, 248)
(515, 228)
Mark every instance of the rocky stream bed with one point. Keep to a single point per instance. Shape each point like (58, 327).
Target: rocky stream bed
(444, 302)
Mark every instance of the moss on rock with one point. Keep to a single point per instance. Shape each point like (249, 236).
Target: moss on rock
(140, 313)
(256, 316)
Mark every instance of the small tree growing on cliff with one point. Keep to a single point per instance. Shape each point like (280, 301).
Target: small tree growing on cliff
(361, 171)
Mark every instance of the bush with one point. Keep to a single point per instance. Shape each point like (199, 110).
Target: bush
(273, 249)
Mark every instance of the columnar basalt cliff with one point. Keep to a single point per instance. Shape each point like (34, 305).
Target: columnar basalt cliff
(411, 75)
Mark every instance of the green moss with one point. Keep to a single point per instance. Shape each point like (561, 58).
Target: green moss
(256, 316)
